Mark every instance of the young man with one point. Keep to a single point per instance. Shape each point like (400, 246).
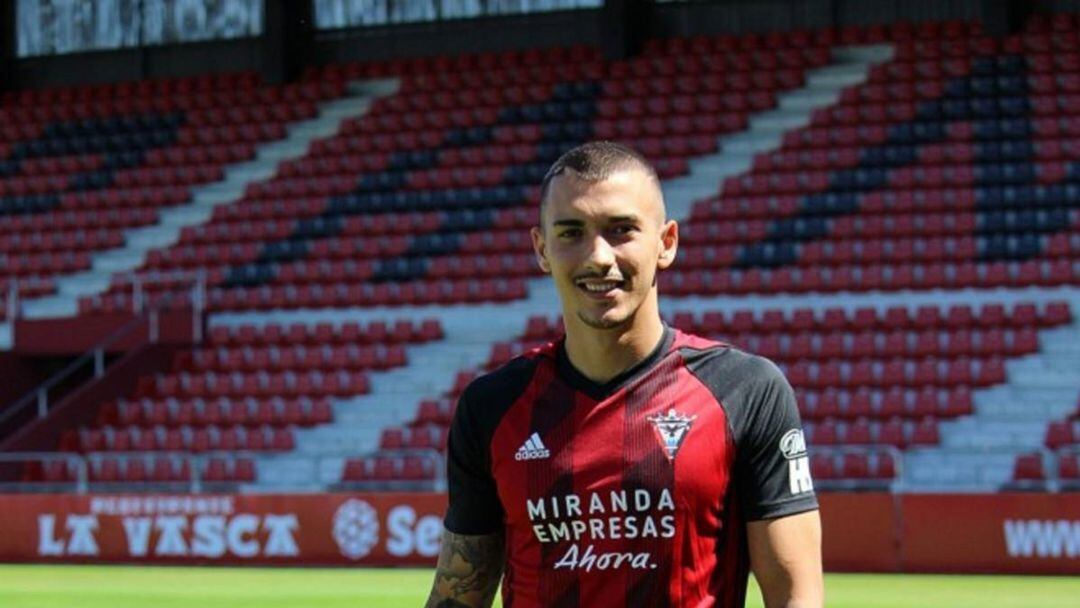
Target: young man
(628, 464)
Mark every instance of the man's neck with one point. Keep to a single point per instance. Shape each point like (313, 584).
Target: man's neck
(603, 354)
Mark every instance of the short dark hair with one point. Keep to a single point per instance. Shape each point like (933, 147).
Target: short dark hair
(596, 161)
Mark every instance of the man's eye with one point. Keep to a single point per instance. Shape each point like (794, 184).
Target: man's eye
(570, 234)
(624, 229)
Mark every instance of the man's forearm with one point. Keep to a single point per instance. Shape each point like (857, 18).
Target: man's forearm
(468, 571)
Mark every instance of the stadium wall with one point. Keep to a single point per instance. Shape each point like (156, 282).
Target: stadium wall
(871, 532)
(476, 35)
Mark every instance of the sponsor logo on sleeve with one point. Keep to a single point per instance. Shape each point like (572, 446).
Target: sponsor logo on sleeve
(793, 447)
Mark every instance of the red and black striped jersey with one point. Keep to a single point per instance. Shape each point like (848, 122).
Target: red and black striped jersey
(635, 492)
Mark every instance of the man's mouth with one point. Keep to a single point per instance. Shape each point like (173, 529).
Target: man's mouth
(599, 286)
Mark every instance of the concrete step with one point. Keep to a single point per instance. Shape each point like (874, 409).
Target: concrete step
(330, 439)
(1042, 378)
(962, 470)
(973, 432)
(874, 53)
(1024, 411)
(1060, 368)
(1010, 393)
(808, 100)
(780, 120)
(286, 471)
(837, 76)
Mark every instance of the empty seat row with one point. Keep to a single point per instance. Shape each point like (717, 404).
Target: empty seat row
(954, 317)
(297, 358)
(38, 242)
(850, 465)
(932, 204)
(171, 412)
(894, 403)
(83, 103)
(929, 343)
(335, 295)
(158, 469)
(197, 440)
(390, 468)
(856, 278)
(415, 438)
(1032, 468)
(927, 371)
(200, 155)
(77, 220)
(254, 384)
(437, 412)
(323, 333)
(897, 433)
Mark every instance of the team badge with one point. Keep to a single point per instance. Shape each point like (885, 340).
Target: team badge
(672, 429)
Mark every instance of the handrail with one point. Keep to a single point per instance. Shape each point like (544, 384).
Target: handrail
(82, 476)
(895, 484)
(40, 393)
(196, 464)
(13, 299)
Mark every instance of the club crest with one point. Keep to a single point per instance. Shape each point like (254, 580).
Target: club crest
(672, 429)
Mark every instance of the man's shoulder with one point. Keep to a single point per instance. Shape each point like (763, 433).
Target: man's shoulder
(510, 378)
(713, 357)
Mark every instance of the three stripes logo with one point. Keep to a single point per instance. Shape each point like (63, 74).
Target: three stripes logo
(532, 449)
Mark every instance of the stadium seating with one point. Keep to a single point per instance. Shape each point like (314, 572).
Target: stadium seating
(866, 378)
(426, 197)
(80, 165)
(1063, 446)
(245, 391)
(951, 167)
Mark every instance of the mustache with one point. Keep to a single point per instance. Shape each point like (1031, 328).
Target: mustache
(600, 277)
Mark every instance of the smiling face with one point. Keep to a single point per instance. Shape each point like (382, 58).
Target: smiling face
(603, 243)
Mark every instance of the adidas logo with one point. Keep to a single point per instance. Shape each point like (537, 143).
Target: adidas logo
(532, 449)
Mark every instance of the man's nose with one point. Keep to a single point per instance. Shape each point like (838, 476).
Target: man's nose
(601, 254)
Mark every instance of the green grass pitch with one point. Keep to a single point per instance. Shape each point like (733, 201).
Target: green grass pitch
(31, 586)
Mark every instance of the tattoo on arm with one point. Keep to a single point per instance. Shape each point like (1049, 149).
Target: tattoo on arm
(468, 571)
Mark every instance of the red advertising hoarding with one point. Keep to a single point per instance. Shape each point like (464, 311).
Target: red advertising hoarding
(1013, 533)
(369, 529)
(993, 533)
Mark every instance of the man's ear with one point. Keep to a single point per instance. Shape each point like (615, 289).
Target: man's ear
(539, 249)
(669, 244)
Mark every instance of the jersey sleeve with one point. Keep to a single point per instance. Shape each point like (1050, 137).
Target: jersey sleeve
(474, 506)
(772, 465)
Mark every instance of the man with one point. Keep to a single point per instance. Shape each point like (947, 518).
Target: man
(628, 464)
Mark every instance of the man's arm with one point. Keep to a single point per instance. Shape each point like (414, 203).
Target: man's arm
(468, 571)
(785, 555)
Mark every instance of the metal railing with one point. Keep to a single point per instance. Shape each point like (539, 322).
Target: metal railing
(70, 462)
(194, 467)
(95, 357)
(12, 308)
(894, 484)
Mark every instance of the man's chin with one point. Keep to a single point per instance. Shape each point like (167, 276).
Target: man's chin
(605, 322)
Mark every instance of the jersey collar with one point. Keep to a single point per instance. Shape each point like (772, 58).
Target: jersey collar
(597, 391)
